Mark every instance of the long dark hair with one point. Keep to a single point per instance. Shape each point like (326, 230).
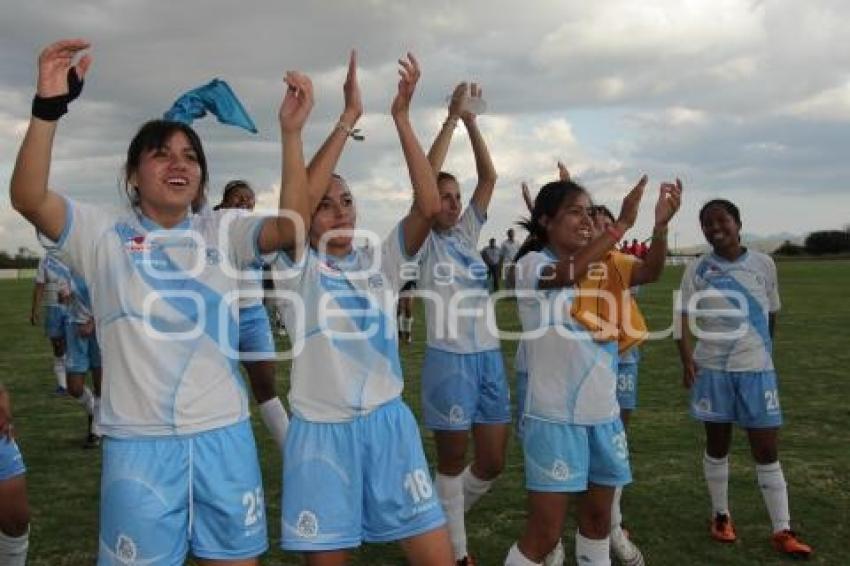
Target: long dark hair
(550, 198)
(726, 205)
(154, 135)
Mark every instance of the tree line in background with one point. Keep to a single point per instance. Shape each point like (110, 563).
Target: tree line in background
(821, 242)
(25, 258)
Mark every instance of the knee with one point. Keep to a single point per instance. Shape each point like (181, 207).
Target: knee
(765, 454)
(595, 522)
(75, 386)
(490, 467)
(16, 523)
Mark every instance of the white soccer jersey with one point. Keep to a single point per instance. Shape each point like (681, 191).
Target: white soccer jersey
(736, 338)
(79, 306)
(509, 250)
(344, 319)
(571, 378)
(165, 308)
(453, 286)
(51, 273)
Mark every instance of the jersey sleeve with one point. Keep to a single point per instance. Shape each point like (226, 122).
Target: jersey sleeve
(41, 272)
(84, 225)
(470, 223)
(772, 282)
(625, 266)
(243, 233)
(396, 265)
(529, 269)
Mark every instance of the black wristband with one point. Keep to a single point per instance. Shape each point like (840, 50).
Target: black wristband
(51, 108)
(75, 85)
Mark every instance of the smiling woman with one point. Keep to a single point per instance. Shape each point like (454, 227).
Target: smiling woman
(174, 410)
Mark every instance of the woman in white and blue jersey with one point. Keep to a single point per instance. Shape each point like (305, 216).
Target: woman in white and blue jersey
(731, 298)
(464, 387)
(180, 472)
(573, 439)
(256, 344)
(353, 464)
(46, 293)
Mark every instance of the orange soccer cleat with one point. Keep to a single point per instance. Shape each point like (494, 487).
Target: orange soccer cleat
(722, 529)
(787, 542)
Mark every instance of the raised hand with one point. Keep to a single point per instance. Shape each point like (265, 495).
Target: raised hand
(351, 90)
(669, 201)
(297, 102)
(563, 174)
(54, 62)
(410, 74)
(473, 101)
(631, 205)
(456, 102)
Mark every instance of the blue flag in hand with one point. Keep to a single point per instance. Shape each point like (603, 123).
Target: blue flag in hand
(215, 97)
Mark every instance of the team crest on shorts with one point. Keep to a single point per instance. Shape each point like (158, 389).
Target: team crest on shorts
(125, 550)
(560, 470)
(307, 525)
(703, 405)
(456, 415)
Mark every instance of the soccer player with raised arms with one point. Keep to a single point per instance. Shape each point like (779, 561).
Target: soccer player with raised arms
(180, 471)
(354, 469)
(464, 387)
(730, 295)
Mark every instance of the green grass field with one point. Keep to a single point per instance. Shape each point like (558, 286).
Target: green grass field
(666, 508)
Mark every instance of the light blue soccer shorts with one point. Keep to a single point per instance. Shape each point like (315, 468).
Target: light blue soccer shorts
(164, 497)
(562, 457)
(255, 334)
(54, 321)
(461, 389)
(82, 353)
(521, 388)
(750, 399)
(362, 480)
(627, 383)
(11, 461)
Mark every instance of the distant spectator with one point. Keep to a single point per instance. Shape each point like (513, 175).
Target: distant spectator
(510, 247)
(492, 257)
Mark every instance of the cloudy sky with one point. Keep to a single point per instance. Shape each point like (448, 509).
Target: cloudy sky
(744, 99)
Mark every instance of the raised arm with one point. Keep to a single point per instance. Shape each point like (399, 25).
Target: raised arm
(440, 147)
(28, 188)
(284, 232)
(323, 163)
(649, 269)
(426, 198)
(483, 163)
(569, 270)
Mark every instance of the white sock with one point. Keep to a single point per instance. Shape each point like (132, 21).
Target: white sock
(13, 550)
(557, 557)
(275, 418)
(473, 488)
(95, 425)
(775, 492)
(517, 558)
(717, 477)
(59, 371)
(592, 552)
(87, 401)
(616, 513)
(450, 490)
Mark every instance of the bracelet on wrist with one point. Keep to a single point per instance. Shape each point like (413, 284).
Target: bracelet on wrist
(353, 133)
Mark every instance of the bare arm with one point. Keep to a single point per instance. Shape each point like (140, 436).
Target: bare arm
(440, 147)
(426, 199)
(686, 353)
(649, 269)
(28, 190)
(483, 162)
(284, 232)
(569, 270)
(323, 163)
(37, 296)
